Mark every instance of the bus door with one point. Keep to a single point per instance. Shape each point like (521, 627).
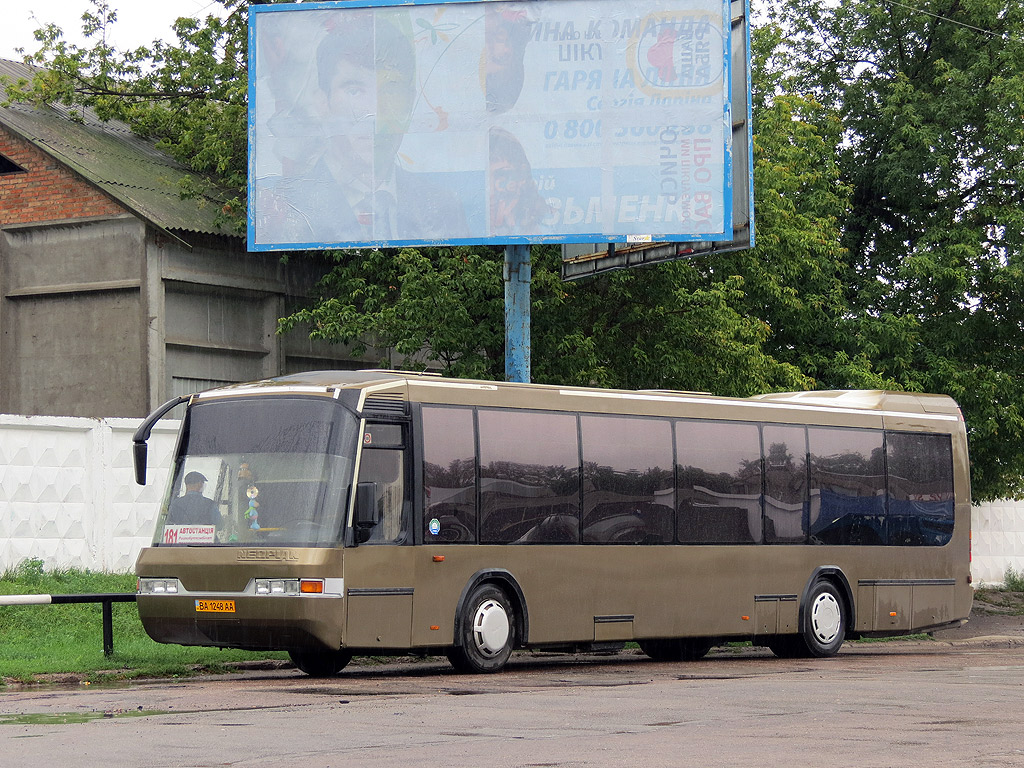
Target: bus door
(379, 569)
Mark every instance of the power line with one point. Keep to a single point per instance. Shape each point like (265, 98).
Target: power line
(988, 32)
(196, 14)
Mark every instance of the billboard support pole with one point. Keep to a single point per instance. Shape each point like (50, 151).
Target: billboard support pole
(517, 313)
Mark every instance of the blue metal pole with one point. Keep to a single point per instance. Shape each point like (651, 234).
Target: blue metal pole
(517, 313)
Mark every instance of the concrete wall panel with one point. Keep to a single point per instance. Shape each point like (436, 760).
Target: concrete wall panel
(997, 540)
(69, 254)
(77, 355)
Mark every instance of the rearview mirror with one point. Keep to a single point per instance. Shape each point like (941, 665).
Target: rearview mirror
(366, 513)
(139, 451)
(141, 435)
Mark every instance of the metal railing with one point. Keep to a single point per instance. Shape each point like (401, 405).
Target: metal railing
(107, 599)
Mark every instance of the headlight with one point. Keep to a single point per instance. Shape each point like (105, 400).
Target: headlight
(158, 587)
(277, 586)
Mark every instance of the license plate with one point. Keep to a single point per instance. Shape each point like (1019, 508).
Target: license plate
(215, 606)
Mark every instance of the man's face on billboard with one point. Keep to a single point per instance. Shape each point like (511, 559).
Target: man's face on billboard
(369, 112)
(352, 106)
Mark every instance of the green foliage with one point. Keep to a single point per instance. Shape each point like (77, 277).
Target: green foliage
(29, 571)
(1013, 580)
(415, 307)
(677, 326)
(931, 107)
(49, 639)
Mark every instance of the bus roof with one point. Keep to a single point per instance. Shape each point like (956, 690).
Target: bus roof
(327, 382)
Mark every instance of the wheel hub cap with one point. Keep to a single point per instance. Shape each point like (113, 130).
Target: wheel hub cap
(825, 618)
(491, 628)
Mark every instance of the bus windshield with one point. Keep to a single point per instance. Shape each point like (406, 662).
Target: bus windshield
(264, 471)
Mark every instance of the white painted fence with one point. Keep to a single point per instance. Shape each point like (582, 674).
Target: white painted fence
(997, 540)
(68, 497)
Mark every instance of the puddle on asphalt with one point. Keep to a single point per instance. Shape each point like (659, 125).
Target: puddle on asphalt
(340, 691)
(65, 718)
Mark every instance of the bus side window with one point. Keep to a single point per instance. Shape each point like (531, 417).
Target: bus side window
(719, 478)
(449, 475)
(786, 504)
(385, 467)
(921, 494)
(847, 486)
(627, 480)
(529, 477)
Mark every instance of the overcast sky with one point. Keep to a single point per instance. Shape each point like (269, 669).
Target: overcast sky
(139, 22)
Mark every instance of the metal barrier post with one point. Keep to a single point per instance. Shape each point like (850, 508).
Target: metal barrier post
(108, 628)
(106, 599)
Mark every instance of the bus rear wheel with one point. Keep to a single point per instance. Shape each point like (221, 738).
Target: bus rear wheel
(486, 630)
(676, 649)
(320, 663)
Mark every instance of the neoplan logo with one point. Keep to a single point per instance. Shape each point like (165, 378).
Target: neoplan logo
(267, 554)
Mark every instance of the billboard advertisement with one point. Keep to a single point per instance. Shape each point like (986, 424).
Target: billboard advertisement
(581, 260)
(569, 121)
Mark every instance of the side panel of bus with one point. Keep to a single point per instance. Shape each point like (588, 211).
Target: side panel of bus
(574, 594)
(603, 592)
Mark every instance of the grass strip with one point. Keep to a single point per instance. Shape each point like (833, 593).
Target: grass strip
(43, 640)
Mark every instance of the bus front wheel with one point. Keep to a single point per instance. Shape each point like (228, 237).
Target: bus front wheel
(824, 626)
(486, 630)
(320, 663)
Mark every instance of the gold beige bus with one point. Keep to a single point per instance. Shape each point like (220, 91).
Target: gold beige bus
(375, 512)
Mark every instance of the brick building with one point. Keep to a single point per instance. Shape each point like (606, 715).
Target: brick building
(115, 293)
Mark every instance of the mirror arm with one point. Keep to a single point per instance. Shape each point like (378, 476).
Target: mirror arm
(139, 448)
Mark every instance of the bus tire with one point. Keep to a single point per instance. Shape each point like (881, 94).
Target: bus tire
(823, 630)
(486, 631)
(320, 663)
(676, 649)
(824, 627)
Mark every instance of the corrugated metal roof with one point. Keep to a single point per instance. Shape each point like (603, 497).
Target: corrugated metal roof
(125, 166)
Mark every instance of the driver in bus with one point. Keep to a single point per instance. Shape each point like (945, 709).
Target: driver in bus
(193, 508)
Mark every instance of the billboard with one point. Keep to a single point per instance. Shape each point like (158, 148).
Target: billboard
(588, 259)
(566, 121)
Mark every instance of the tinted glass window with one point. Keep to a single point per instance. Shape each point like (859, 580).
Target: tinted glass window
(627, 480)
(382, 436)
(719, 494)
(529, 477)
(449, 475)
(386, 469)
(847, 486)
(264, 425)
(272, 471)
(785, 483)
(920, 489)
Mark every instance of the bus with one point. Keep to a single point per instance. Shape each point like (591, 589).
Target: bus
(332, 514)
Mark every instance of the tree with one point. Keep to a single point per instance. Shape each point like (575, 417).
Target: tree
(794, 278)
(441, 307)
(931, 100)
